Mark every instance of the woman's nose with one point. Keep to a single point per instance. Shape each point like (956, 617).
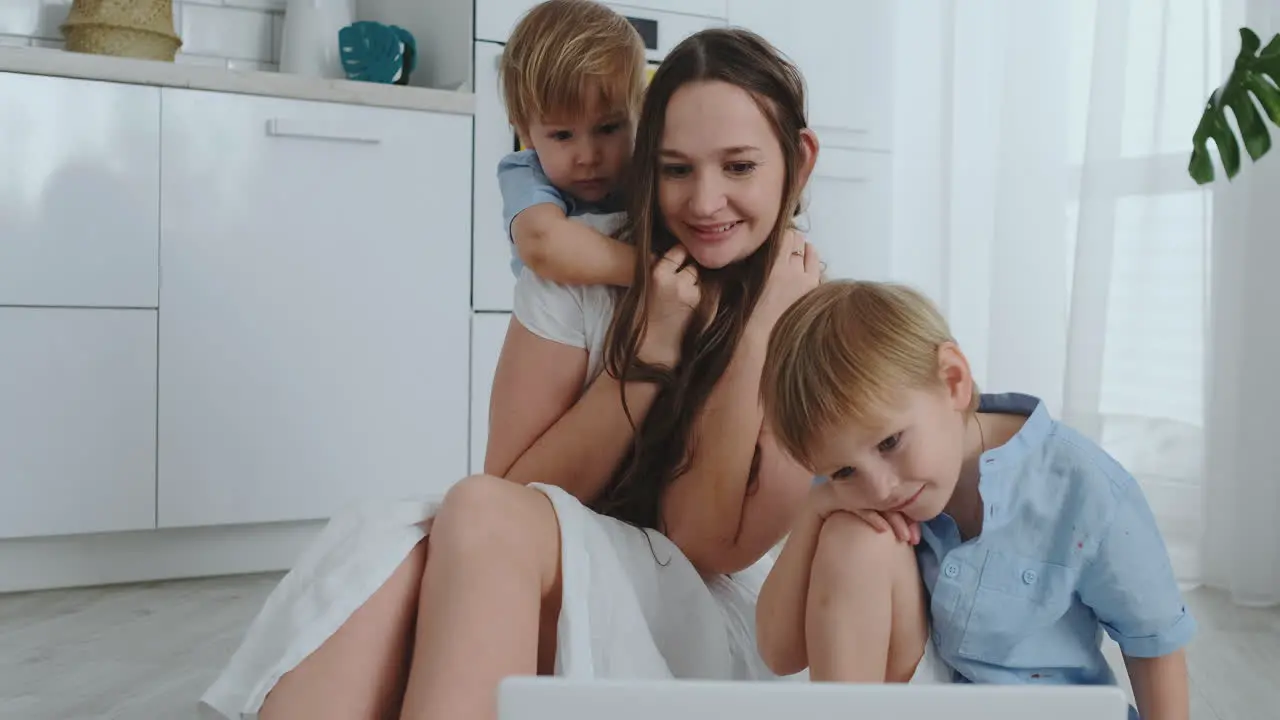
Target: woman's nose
(707, 198)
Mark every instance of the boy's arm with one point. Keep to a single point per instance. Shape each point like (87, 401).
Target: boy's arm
(780, 611)
(554, 247)
(1130, 585)
(1160, 686)
(570, 253)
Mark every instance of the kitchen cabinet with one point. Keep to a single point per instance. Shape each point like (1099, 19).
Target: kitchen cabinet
(77, 421)
(493, 282)
(488, 331)
(847, 213)
(79, 192)
(845, 51)
(315, 324)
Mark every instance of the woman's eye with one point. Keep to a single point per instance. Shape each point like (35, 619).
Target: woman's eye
(675, 171)
(889, 443)
(843, 473)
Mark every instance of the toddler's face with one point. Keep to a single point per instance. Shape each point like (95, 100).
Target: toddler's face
(584, 156)
(907, 461)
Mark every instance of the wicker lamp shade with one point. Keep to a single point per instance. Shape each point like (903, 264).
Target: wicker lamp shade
(126, 28)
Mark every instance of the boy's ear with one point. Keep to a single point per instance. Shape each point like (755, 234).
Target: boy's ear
(523, 134)
(953, 369)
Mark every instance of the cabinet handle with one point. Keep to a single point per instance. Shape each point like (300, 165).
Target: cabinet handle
(278, 127)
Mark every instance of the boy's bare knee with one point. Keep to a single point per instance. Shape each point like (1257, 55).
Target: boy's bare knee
(847, 546)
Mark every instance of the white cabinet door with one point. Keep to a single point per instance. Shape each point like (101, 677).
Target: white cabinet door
(488, 331)
(845, 50)
(77, 421)
(79, 192)
(849, 214)
(493, 283)
(314, 341)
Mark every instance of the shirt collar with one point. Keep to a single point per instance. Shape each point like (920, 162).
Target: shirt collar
(1000, 468)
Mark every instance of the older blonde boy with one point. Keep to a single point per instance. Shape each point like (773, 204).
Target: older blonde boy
(572, 78)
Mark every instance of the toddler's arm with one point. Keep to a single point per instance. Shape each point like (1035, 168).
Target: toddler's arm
(1130, 585)
(550, 244)
(570, 253)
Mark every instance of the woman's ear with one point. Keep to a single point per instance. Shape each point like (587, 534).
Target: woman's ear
(809, 154)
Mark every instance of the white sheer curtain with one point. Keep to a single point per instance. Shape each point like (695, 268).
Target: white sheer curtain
(1242, 481)
(1041, 196)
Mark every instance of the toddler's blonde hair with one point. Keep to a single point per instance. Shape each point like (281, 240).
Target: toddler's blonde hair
(843, 354)
(563, 54)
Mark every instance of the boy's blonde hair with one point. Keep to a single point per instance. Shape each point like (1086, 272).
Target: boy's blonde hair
(562, 53)
(843, 354)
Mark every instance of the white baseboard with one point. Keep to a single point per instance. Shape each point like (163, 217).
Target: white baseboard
(112, 558)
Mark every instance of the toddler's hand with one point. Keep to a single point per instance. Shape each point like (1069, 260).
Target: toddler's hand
(836, 496)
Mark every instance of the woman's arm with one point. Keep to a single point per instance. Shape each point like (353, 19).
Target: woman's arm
(720, 525)
(538, 433)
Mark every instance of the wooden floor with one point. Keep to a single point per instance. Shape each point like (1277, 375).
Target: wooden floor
(146, 652)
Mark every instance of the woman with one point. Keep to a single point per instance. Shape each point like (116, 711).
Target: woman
(549, 570)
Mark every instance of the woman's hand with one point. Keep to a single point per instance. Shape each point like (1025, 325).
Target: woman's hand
(796, 271)
(843, 496)
(673, 298)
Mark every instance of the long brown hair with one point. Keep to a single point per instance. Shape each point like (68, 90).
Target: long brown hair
(665, 440)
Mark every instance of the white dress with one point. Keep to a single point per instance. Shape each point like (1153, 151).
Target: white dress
(624, 615)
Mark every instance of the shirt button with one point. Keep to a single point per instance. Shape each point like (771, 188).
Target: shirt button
(951, 571)
(1029, 577)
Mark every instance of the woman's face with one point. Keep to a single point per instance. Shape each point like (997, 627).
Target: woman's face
(720, 173)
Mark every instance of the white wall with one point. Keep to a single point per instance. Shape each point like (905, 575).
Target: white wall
(239, 34)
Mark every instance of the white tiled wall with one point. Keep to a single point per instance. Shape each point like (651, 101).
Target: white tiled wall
(239, 34)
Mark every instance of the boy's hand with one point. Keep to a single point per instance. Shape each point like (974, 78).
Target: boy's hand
(842, 496)
(672, 300)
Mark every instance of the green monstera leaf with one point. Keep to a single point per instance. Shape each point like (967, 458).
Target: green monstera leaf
(1255, 74)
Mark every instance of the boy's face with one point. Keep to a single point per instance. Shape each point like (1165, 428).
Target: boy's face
(584, 156)
(909, 460)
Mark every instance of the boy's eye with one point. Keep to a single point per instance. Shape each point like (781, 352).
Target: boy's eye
(843, 473)
(889, 443)
(675, 171)
(561, 135)
(740, 168)
(610, 128)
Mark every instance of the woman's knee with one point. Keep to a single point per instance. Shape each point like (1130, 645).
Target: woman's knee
(850, 548)
(488, 516)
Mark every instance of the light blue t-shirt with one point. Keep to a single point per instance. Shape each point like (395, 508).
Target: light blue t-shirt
(524, 184)
(1069, 547)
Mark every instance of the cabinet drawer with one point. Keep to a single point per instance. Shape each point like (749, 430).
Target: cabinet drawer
(79, 192)
(315, 334)
(849, 213)
(77, 421)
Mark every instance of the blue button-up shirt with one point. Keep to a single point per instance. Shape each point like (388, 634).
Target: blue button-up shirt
(1068, 548)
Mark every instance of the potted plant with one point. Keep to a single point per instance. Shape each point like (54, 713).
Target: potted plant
(1255, 75)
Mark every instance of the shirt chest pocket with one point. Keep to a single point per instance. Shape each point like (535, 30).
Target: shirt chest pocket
(1017, 601)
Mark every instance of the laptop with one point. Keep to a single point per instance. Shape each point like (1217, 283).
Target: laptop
(549, 698)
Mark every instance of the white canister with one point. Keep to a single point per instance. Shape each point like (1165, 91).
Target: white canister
(309, 40)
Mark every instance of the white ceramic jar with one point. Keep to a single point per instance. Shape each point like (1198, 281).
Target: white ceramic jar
(309, 40)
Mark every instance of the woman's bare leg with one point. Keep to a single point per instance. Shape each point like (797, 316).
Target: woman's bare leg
(359, 673)
(492, 580)
(865, 620)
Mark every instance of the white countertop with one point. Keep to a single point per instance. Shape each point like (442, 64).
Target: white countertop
(61, 63)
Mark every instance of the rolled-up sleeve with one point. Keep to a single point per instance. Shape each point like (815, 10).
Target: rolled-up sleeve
(1129, 583)
(524, 184)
